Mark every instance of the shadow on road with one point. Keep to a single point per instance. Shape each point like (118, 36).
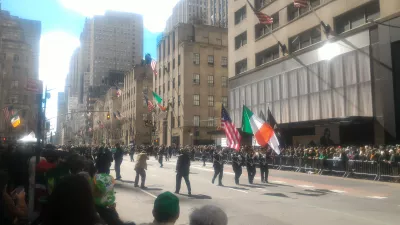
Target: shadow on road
(256, 185)
(197, 196)
(127, 181)
(153, 189)
(277, 195)
(313, 193)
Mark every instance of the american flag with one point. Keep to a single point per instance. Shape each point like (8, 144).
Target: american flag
(150, 105)
(7, 112)
(300, 3)
(153, 66)
(232, 134)
(264, 18)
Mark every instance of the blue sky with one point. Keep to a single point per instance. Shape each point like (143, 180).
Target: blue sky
(62, 23)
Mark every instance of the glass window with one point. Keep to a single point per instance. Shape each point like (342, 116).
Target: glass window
(210, 80)
(240, 15)
(179, 100)
(267, 55)
(179, 121)
(241, 66)
(224, 81)
(196, 58)
(196, 78)
(241, 40)
(224, 101)
(305, 39)
(210, 121)
(13, 99)
(14, 84)
(210, 100)
(224, 61)
(210, 60)
(196, 100)
(144, 116)
(196, 121)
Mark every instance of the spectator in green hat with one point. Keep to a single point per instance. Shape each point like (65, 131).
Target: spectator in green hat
(166, 209)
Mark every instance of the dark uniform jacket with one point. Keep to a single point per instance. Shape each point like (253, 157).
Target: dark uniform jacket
(183, 164)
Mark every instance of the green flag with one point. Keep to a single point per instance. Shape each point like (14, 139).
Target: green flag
(157, 97)
(247, 114)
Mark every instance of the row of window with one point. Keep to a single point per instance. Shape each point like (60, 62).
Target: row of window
(210, 100)
(344, 22)
(18, 99)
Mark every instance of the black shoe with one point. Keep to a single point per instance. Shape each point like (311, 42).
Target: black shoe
(212, 181)
(176, 192)
(136, 185)
(143, 187)
(190, 193)
(220, 184)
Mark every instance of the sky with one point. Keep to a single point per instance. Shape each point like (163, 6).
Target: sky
(62, 23)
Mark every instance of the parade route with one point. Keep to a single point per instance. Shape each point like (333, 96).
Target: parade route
(289, 198)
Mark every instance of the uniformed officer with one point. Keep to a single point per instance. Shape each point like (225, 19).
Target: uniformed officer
(251, 167)
(218, 165)
(160, 156)
(262, 158)
(182, 170)
(237, 166)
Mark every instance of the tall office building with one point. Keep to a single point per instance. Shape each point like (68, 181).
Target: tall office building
(193, 80)
(32, 32)
(61, 117)
(218, 13)
(187, 11)
(116, 43)
(340, 83)
(18, 68)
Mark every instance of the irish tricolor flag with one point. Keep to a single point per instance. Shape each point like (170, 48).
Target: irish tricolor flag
(262, 131)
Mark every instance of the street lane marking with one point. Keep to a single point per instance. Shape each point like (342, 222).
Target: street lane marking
(278, 182)
(148, 193)
(338, 191)
(376, 197)
(239, 190)
(305, 186)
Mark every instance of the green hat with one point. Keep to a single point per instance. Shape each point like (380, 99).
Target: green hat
(166, 207)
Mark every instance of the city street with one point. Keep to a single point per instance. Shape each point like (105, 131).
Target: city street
(289, 198)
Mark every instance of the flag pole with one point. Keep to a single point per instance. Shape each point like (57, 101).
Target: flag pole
(327, 27)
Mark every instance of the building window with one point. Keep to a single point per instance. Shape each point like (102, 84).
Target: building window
(224, 101)
(224, 61)
(211, 100)
(169, 67)
(210, 121)
(305, 39)
(196, 78)
(179, 80)
(173, 63)
(196, 121)
(241, 40)
(261, 29)
(144, 103)
(196, 58)
(294, 12)
(179, 60)
(144, 116)
(210, 60)
(16, 58)
(357, 17)
(145, 89)
(179, 100)
(13, 99)
(210, 80)
(168, 85)
(163, 88)
(14, 84)
(240, 15)
(179, 121)
(173, 83)
(172, 122)
(258, 4)
(241, 66)
(267, 55)
(196, 99)
(224, 81)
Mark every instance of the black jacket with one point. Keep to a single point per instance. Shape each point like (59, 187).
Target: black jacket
(119, 154)
(183, 164)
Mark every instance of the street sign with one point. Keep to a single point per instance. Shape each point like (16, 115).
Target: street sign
(34, 85)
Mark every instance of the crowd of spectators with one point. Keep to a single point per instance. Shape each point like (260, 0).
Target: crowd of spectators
(72, 186)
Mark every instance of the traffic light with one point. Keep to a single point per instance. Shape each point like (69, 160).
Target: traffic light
(108, 116)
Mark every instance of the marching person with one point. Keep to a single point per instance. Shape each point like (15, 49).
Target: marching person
(263, 167)
(132, 153)
(237, 166)
(251, 167)
(118, 157)
(218, 168)
(204, 157)
(182, 170)
(160, 156)
(140, 168)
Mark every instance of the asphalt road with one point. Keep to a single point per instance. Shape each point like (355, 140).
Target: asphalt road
(289, 198)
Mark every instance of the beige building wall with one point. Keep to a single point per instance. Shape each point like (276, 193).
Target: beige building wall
(137, 84)
(326, 11)
(193, 65)
(17, 68)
